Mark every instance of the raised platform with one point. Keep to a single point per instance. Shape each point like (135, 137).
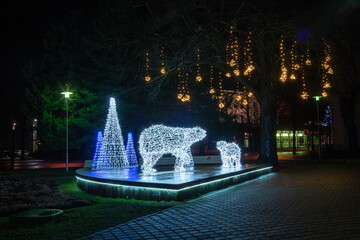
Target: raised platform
(166, 185)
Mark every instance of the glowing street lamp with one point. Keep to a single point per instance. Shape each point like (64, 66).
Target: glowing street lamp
(67, 95)
(317, 99)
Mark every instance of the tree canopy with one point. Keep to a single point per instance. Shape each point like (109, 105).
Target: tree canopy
(108, 58)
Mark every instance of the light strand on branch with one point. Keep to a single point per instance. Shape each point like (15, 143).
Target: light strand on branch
(236, 57)
(283, 74)
(326, 69)
(198, 75)
(221, 92)
(308, 60)
(304, 94)
(147, 66)
(293, 63)
(249, 66)
(180, 85)
(186, 97)
(162, 62)
(212, 89)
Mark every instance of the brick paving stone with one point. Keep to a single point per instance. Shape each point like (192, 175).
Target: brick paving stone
(302, 201)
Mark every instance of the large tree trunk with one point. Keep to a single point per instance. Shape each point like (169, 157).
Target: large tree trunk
(268, 151)
(347, 108)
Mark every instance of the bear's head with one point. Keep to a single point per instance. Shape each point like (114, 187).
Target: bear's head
(221, 145)
(197, 133)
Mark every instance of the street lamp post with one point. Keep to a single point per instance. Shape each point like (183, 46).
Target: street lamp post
(67, 95)
(317, 99)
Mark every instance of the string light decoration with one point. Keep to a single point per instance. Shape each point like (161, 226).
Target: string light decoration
(283, 75)
(245, 100)
(228, 52)
(158, 140)
(294, 66)
(212, 89)
(198, 75)
(230, 154)
(221, 91)
(130, 151)
(304, 94)
(162, 62)
(236, 57)
(249, 66)
(308, 60)
(186, 96)
(326, 69)
(99, 160)
(238, 95)
(113, 143)
(180, 85)
(232, 62)
(147, 66)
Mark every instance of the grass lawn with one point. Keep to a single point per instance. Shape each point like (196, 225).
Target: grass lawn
(79, 221)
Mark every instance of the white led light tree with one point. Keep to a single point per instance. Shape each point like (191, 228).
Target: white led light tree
(230, 154)
(99, 160)
(130, 151)
(113, 143)
(158, 140)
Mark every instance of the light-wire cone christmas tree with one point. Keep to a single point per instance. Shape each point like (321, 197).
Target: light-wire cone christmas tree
(130, 151)
(113, 143)
(99, 160)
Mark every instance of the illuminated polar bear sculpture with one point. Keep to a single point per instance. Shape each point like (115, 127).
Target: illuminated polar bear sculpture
(230, 154)
(158, 140)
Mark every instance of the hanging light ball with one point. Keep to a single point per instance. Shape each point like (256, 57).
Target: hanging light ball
(237, 72)
(212, 91)
(221, 105)
(324, 94)
(198, 78)
(228, 75)
(147, 78)
(238, 97)
(162, 71)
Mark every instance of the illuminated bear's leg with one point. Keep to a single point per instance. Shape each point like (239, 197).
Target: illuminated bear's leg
(149, 162)
(188, 160)
(184, 160)
(224, 160)
(178, 160)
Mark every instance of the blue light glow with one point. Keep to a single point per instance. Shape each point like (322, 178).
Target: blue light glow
(130, 151)
(99, 162)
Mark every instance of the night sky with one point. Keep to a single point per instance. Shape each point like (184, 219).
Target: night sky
(24, 25)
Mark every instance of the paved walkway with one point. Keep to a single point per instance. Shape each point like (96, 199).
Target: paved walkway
(302, 201)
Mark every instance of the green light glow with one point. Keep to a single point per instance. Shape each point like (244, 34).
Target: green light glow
(317, 98)
(171, 190)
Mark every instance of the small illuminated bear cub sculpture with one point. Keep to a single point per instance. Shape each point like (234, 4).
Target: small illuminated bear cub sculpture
(158, 140)
(230, 154)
